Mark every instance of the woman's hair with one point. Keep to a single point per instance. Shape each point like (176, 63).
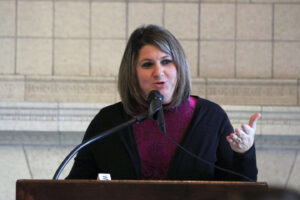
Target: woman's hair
(128, 84)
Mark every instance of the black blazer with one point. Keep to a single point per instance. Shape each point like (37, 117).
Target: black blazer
(206, 136)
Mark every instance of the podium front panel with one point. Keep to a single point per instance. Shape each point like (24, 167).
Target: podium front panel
(131, 189)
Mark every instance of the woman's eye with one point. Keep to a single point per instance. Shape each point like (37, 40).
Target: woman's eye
(167, 61)
(147, 64)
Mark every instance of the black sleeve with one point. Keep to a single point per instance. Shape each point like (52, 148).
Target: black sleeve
(85, 164)
(244, 164)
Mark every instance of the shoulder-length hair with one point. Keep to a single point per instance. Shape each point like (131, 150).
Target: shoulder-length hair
(128, 85)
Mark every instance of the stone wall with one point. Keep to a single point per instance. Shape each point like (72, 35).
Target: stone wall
(59, 61)
(69, 51)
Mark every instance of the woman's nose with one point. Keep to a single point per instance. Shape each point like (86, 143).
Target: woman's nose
(158, 71)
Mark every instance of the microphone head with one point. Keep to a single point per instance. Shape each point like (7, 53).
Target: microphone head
(155, 95)
(155, 103)
(155, 112)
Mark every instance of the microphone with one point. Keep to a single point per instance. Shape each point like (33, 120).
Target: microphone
(155, 99)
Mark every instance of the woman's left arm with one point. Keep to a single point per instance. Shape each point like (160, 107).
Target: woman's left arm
(242, 139)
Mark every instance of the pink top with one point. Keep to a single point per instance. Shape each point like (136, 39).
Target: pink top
(155, 151)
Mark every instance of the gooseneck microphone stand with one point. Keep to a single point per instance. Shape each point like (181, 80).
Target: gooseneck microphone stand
(155, 105)
(136, 119)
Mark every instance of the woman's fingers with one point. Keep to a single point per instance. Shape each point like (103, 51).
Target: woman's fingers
(253, 120)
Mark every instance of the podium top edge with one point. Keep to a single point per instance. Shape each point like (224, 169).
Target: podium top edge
(143, 182)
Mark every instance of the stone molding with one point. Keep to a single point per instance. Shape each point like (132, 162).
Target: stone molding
(86, 89)
(46, 117)
(75, 117)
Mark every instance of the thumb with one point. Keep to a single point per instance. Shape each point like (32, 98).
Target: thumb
(253, 120)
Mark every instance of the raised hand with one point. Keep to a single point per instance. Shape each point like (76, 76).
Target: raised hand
(242, 140)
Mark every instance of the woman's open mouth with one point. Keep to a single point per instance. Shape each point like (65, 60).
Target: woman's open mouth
(160, 84)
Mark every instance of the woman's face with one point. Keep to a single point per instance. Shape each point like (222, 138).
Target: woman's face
(156, 70)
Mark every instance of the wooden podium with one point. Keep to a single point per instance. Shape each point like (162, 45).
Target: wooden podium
(132, 189)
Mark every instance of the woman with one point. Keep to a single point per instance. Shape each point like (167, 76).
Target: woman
(154, 60)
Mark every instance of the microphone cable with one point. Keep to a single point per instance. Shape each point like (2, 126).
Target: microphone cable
(155, 99)
(206, 162)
